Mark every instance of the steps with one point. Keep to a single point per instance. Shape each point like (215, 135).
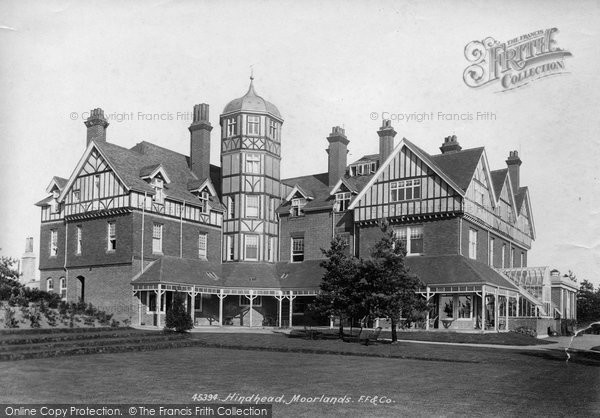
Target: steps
(20, 346)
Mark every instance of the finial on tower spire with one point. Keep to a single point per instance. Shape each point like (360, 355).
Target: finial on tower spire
(251, 73)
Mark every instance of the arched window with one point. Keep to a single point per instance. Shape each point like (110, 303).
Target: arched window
(63, 287)
(49, 284)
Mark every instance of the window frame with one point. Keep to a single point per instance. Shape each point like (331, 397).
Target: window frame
(253, 125)
(409, 232)
(231, 127)
(50, 284)
(202, 253)
(62, 287)
(342, 201)
(473, 243)
(111, 239)
(204, 197)
(273, 129)
(53, 243)
(157, 239)
(158, 185)
(297, 208)
(253, 165)
(492, 244)
(78, 240)
(297, 255)
(247, 238)
(250, 213)
(399, 190)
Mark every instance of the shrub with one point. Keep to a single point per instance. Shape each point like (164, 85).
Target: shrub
(177, 316)
(526, 331)
(63, 307)
(9, 319)
(114, 323)
(34, 319)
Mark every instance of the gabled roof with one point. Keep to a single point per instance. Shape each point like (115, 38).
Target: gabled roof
(58, 182)
(298, 189)
(317, 186)
(150, 171)
(455, 269)
(424, 156)
(520, 197)
(147, 157)
(498, 179)
(459, 166)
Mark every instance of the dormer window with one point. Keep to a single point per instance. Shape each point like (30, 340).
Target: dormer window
(342, 200)
(231, 127)
(158, 186)
(54, 205)
(204, 196)
(298, 206)
(363, 169)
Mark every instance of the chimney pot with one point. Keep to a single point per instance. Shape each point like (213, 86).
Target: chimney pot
(450, 145)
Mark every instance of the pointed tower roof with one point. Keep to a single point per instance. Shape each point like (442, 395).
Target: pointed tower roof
(251, 102)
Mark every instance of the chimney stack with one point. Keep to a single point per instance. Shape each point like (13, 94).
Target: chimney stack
(338, 150)
(96, 126)
(200, 142)
(450, 145)
(386, 140)
(514, 163)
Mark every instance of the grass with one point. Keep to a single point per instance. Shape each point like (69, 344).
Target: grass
(487, 382)
(503, 338)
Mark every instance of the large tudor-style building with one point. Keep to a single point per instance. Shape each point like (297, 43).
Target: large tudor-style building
(132, 226)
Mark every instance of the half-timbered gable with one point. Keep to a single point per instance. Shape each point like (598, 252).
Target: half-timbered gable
(406, 185)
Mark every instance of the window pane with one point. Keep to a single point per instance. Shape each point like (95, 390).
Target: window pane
(251, 247)
(447, 305)
(464, 306)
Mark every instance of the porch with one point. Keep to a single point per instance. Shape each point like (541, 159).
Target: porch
(223, 307)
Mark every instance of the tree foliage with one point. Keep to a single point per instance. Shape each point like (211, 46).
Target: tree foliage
(341, 294)
(379, 286)
(588, 302)
(390, 289)
(177, 317)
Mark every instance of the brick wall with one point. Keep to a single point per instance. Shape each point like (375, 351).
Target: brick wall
(483, 242)
(94, 234)
(316, 227)
(46, 260)
(171, 238)
(439, 237)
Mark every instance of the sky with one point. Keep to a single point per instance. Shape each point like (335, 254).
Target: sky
(323, 64)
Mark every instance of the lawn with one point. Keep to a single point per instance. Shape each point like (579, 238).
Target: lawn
(475, 382)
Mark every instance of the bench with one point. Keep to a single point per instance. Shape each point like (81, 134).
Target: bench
(365, 336)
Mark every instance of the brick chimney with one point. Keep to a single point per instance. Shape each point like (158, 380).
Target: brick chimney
(338, 150)
(514, 163)
(386, 140)
(450, 145)
(96, 126)
(200, 142)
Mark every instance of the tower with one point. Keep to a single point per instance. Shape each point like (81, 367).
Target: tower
(250, 162)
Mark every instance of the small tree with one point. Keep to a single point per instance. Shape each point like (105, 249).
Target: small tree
(177, 317)
(341, 287)
(390, 288)
(588, 303)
